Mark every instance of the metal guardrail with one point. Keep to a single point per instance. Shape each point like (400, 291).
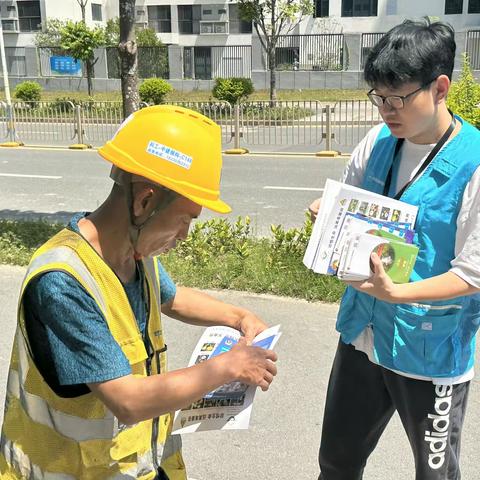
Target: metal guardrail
(248, 124)
(352, 119)
(281, 122)
(219, 112)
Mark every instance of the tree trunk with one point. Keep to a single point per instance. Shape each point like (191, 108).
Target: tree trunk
(128, 57)
(273, 74)
(83, 4)
(89, 67)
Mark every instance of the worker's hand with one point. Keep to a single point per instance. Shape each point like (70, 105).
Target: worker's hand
(314, 208)
(250, 326)
(252, 365)
(379, 285)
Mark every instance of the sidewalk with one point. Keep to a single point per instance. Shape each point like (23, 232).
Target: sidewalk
(282, 441)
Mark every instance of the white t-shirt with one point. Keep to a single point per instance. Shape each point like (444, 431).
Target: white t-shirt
(466, 263)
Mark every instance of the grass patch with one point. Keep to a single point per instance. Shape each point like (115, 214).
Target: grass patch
(217, 254)
(19, 239)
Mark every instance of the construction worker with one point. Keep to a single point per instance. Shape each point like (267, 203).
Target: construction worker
(88, 393)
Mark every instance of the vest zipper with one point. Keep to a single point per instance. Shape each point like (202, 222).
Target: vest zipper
(148, 364)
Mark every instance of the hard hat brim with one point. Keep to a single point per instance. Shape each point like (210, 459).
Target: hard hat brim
(216, 205)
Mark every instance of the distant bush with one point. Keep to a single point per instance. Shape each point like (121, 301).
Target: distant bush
(63, 104)
(232, 89)
(464, 96)
(28, 92)
(154, 90)
(263, 111)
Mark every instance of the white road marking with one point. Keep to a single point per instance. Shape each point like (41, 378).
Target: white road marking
(19, 175)
(301, 189)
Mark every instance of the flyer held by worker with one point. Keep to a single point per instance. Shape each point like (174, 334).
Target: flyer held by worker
(228, 407)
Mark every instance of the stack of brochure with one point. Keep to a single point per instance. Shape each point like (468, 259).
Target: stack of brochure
(352, 224)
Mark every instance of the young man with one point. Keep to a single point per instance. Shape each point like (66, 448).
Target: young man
(410, 348)
(88, 393)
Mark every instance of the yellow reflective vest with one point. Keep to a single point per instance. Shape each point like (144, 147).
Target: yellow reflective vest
(48, 437)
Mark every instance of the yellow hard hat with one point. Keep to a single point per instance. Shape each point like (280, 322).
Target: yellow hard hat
(174, 147)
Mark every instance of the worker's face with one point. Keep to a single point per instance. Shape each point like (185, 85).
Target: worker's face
(416, 120)
(167, 227)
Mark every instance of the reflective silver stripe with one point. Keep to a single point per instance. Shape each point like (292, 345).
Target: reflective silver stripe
(22, 464)
(149, 264)
(68, 256)
(172, 445)
(144, 466)
(426, 306)
(74, 428)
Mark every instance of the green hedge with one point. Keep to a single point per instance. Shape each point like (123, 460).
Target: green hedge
(216, 254)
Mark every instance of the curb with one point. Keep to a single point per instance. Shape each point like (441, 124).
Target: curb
(11, 144)
(236, 151)
(327, 153)
(79, 146)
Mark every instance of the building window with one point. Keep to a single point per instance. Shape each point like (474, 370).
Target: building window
(29, 16)
(207, 12)
(237, 24)
(185, 19)
(359, 8)
(321, 8)
(453, 6)
(160, 18)
(97, 12)
(473, 6)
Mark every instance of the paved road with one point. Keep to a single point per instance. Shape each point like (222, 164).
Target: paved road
(54, 183)
(282, 441)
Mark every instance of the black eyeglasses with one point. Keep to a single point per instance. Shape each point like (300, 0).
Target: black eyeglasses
(394, 101)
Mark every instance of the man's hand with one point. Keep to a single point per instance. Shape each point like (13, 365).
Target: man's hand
(314, 208)
(379, 285)
(250, 326)
(252, 365)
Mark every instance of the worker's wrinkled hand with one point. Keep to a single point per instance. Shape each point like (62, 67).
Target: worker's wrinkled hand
(253, 365)
(250, 326)
(314, 208)
(379, 285)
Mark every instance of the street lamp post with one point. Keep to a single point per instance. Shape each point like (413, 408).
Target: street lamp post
(4, 67)
(6, 83)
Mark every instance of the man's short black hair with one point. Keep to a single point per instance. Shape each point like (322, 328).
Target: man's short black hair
(414, 51)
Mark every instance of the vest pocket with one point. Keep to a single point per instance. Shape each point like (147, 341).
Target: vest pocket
(424, 342)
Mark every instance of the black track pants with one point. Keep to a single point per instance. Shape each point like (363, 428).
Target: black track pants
(361, 399)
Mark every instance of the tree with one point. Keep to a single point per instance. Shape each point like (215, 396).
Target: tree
(50, 34)
(272, 18)
(128, 56)
(80, 41)
(83, 4)
(464, 95)
(145, 37)
(112, 32)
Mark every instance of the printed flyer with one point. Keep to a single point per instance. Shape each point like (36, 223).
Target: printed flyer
(229, 407)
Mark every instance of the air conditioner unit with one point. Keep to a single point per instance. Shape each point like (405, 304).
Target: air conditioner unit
(8, 9)
(140, 15)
